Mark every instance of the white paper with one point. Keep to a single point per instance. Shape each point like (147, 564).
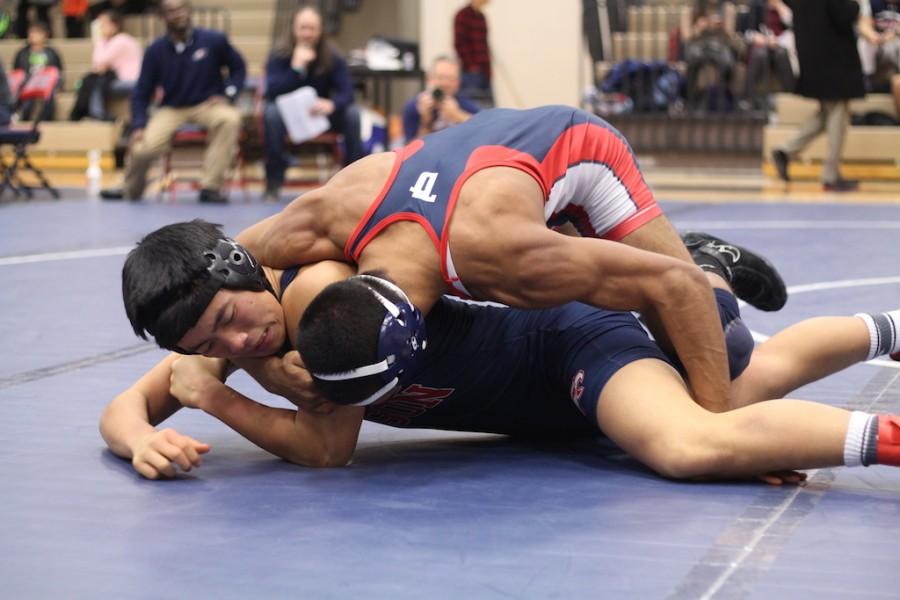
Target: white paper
(300, 123)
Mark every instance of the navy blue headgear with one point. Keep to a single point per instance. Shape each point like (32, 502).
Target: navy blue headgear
(401, 344)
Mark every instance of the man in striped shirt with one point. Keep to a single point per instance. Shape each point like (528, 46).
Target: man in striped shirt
(470, 41)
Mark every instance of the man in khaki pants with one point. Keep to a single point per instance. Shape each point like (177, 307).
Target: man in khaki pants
(187, 64)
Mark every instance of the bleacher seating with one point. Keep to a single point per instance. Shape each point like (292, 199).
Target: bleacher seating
(64, 145)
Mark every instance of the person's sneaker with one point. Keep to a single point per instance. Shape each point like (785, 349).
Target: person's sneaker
(272, 194)
(841, 185)
(112, 194)
(781, 160)
(753, 278)
(212, 197)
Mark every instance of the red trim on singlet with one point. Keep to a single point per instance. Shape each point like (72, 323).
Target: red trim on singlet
(399, 156)
(483, 158)
(641, 217)
(390, 220)
(589, 142)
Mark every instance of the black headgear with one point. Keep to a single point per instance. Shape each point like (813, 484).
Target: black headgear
(231, 266)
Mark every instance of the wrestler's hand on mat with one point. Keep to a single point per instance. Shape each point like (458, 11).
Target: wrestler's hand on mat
(156, 454)
(782, 477)
(192, 383)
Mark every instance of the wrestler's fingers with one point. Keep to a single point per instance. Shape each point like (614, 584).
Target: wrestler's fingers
(145, 469)
(161, 464)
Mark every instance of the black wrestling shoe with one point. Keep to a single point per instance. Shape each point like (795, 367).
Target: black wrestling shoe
(753, 278)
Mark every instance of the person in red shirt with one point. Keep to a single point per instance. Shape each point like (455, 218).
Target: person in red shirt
(471, 43)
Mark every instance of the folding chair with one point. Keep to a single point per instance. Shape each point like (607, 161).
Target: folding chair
(40, 86)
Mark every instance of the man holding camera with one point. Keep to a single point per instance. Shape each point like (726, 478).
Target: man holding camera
(439, 105)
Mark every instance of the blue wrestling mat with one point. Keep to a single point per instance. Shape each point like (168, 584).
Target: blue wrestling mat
(419, 514)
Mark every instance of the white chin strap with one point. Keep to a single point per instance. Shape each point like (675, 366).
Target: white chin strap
(364, 371)
(378, 394)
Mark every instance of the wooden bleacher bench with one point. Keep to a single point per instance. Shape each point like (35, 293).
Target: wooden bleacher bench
(870, 152)
(655, 19)
(64, 145)
(640, 46)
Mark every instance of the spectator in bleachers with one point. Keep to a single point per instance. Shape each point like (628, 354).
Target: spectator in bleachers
(440, 104)
(116, 64)
(470, 39)
(74, 12)
(42, 10)
(710, 40)
(879, 44)
(768, 39)
(187, 63)
(35, 55)
(308, 58)
(830, 72)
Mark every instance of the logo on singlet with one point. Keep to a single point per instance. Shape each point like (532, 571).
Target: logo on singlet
(422, 189)
(400, 409)
(577, 388)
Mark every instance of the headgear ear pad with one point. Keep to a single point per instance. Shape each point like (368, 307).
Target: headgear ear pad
(231, 266)
(401, 343)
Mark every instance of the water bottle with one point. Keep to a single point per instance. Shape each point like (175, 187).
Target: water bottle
(94, 174)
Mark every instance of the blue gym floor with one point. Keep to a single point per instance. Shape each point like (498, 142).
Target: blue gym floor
(419, 514)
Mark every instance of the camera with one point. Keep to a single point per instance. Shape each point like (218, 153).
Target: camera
(437, 94)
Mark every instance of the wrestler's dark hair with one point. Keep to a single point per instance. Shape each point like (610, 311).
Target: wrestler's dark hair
(165, 281)
(339, 332)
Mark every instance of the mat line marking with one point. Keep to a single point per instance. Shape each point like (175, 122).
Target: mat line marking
(760, 533)
(66, 255)
(75, 365)
(787, 224)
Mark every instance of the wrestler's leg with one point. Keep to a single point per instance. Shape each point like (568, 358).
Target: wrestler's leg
(646, 410)
(803, 353)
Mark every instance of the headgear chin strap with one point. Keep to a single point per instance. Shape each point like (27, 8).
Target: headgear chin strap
(401, 344)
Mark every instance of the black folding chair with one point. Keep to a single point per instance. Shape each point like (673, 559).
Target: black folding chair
(38, 87)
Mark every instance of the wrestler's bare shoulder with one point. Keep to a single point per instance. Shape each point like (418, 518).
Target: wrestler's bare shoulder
(363, 179)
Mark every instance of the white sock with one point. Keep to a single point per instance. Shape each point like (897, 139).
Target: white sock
(883, 338)
(859, 447)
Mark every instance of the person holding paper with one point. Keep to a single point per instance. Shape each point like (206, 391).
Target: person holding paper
(307, 58)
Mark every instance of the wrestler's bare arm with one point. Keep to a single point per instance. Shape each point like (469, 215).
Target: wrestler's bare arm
(129, 422)
(317, 225)
(295, 236)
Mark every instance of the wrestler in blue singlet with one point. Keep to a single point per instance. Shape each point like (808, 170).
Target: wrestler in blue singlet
(533, 373)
